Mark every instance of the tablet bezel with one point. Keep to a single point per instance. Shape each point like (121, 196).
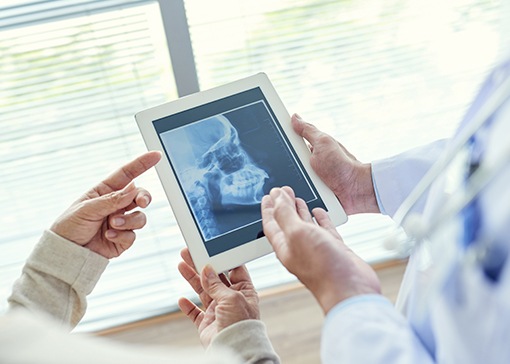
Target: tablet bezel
(246, 252)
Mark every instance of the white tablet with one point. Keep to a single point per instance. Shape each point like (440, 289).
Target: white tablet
(223, 150)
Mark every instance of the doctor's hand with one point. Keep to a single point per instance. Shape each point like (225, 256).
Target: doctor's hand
(99, 220)
(225, 299)
(348, 178)
(314, 252)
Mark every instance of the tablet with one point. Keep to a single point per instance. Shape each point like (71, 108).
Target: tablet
(223, 150)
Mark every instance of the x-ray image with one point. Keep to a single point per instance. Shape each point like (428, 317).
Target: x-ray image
(218, 177)
(225, 163)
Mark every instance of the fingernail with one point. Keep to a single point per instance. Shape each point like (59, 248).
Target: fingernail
(147, 200)
(275, 192)
(298, 117)
(110, 234)
(118, 221)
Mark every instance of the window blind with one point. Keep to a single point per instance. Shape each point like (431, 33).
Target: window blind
(73, 74)
(379, 77)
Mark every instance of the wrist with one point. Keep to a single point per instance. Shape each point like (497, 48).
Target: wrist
(363, 197)
(56, 229)
(332, 290)
(329, 300)
(65, 229)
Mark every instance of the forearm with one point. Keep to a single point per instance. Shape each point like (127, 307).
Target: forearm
(362, 198)
(56, 279)
(249, 340)
(366, 330)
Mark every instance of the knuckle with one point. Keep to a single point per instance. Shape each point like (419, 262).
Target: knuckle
(323, 138)
(237, 297)
(297, 232)
(114, 198)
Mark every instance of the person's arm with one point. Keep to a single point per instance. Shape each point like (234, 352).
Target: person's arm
(56, 279)
(27, 338)
(69, 259)
(64, 267)
(230, 316)
(348, 178)
(361, 325)
(380, 186)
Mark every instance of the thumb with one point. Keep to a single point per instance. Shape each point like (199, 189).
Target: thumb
(212, 283)
(305, 130)
(102, 206)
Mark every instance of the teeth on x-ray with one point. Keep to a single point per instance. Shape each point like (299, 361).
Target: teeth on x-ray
(243, 186)
(227, 175)
(240, 181)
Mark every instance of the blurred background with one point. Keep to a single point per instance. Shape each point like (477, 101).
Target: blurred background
(380, 76)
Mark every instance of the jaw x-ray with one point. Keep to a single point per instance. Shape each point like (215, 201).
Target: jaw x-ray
(225, 163)
(220, 180)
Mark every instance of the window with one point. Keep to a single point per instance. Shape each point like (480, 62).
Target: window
(379, 76)
(72, 76)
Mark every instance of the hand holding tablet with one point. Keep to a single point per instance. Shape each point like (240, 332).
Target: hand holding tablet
(223, 150)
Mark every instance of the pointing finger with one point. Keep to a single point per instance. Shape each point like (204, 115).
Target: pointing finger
(124, 175)
(285, 213)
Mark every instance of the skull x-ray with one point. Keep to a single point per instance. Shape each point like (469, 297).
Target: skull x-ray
(216, 173)
(225, 162)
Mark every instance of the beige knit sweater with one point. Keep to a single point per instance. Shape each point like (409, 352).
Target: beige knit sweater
(49, 299)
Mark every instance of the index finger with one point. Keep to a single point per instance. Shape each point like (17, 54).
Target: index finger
(285, 213)
(277, 217)
(128, 172)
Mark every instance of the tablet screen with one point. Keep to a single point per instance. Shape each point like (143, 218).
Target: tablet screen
(226, 155)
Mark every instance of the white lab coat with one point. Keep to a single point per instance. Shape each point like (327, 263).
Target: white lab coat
(448, 310)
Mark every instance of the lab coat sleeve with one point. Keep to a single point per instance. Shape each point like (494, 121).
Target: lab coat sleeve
(368, 329)
(56, 279)
(394, 178)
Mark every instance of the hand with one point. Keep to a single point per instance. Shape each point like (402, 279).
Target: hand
(349, 179)
(226, 300)
(315, 253)
(99, 220)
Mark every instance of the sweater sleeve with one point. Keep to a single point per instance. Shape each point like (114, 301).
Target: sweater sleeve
(248, 339)
(28, 338)
(56, 279)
